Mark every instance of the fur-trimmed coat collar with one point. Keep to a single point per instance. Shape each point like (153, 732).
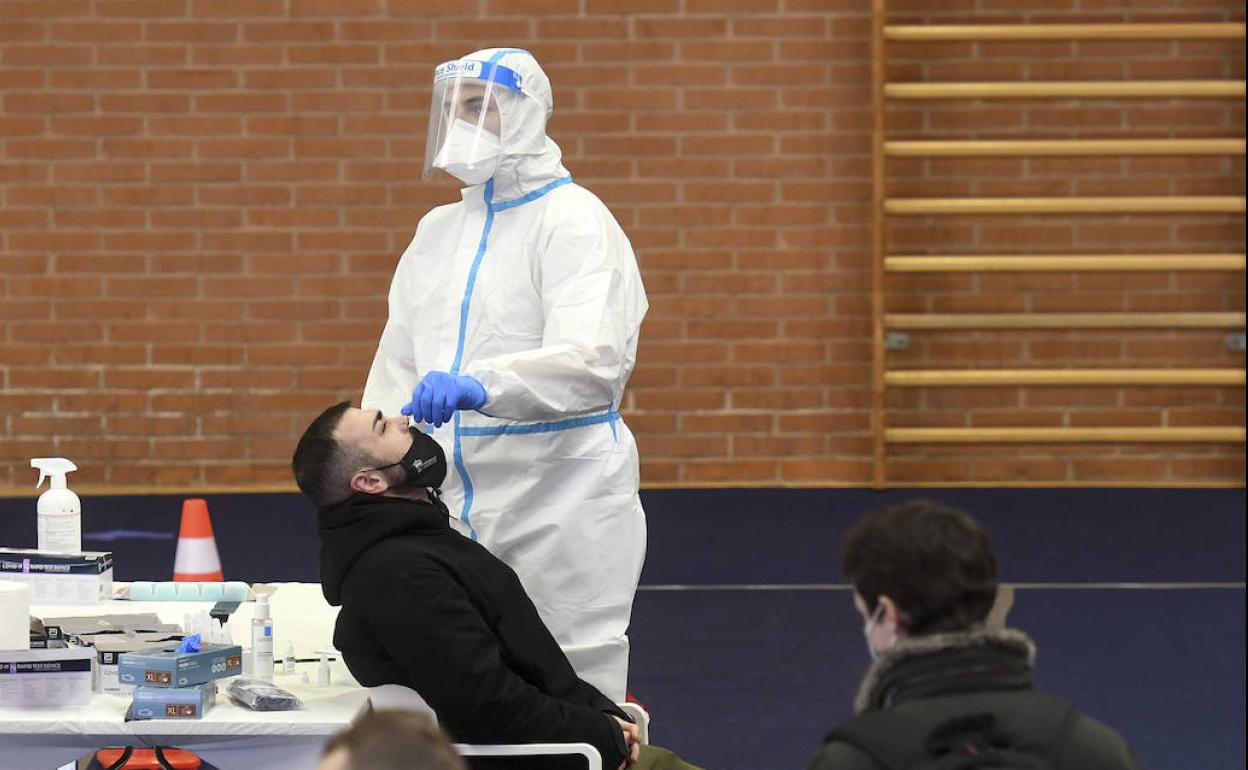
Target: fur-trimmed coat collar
(1006, 653)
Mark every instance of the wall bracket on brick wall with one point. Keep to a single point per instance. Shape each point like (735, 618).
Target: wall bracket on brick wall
(896, 341)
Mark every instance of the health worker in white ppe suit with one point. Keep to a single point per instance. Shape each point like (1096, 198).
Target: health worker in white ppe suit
(514, 317)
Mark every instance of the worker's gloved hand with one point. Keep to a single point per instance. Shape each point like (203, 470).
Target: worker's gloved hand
(439, 394)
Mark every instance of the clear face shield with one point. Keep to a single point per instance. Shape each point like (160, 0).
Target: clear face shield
(465, 119)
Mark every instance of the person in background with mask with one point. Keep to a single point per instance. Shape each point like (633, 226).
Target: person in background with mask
(513, 323)
(941, 684)
(427, 608)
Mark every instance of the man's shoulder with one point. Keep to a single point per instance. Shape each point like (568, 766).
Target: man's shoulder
(1077, 739)
(1094, 744)
(574, 212)
(428, 556)
(402, 556)
(839, 755)
(574, 201)
(440, 212)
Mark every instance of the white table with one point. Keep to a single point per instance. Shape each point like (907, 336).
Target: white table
(229, 735)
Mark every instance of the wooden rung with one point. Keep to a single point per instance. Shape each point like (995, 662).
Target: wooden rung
(907, 149)
(1186, 435)
(1124, 89)
(1063, 320)
(1105, 204)
(1064, 262)
(918, 378)
(1190, 31)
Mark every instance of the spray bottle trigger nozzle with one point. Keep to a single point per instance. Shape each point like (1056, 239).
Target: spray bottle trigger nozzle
(55, 468)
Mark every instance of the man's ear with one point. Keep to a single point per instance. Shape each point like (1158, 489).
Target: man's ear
(369, 482)
(892, 616)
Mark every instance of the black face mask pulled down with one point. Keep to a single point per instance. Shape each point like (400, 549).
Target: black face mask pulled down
(424, 464)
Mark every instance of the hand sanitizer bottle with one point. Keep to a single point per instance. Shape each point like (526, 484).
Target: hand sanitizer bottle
(262, 641)
(59, 509)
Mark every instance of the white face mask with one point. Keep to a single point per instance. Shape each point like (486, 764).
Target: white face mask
(469, 154)
(870, 626)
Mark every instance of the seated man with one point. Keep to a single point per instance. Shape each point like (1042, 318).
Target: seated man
(427, 608)
(941, 684)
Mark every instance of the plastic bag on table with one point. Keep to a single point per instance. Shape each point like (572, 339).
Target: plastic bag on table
(259, 695)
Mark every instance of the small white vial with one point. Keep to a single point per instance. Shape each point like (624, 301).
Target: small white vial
(322, 672)
(288, 662)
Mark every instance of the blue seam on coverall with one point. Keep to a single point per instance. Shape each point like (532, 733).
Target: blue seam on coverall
(459, 351)
(542, 427)
(463, 474)
(523, 199)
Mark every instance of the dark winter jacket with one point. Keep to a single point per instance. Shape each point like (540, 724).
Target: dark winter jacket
(929, 681)
(427, 608)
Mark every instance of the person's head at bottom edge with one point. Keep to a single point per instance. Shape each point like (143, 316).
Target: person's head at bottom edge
(391, 739)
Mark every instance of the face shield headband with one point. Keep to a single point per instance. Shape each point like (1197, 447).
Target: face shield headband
(464, 135)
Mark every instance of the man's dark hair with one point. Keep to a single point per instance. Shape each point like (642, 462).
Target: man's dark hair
(323, 465)
(935, 562)
(393, 739)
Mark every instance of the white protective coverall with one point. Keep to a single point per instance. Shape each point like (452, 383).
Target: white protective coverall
(529, 285)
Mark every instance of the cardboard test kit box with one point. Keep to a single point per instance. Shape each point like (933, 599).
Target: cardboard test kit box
(45, 677)
(173, 702)
(168, 668)
(60, 578)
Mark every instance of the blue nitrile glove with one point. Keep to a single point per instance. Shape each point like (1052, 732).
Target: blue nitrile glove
(439, 394)
(189, 644)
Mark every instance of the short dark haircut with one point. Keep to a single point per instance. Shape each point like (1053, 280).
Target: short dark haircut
(935, 562)
(393, 739)
(323, 465)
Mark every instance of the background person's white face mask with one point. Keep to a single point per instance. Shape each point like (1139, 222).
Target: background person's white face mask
(469, 154)
(869, 627)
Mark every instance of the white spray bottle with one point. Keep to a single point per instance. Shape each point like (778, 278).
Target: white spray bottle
(60, 510)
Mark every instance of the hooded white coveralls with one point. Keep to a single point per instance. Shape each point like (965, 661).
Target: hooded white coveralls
(529, 285)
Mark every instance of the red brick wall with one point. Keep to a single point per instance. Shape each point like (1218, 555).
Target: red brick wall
(201, 203)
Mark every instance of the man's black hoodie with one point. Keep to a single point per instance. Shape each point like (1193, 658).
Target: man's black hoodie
(427, 608)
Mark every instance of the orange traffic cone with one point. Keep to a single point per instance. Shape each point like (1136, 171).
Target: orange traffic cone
(197, 558)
